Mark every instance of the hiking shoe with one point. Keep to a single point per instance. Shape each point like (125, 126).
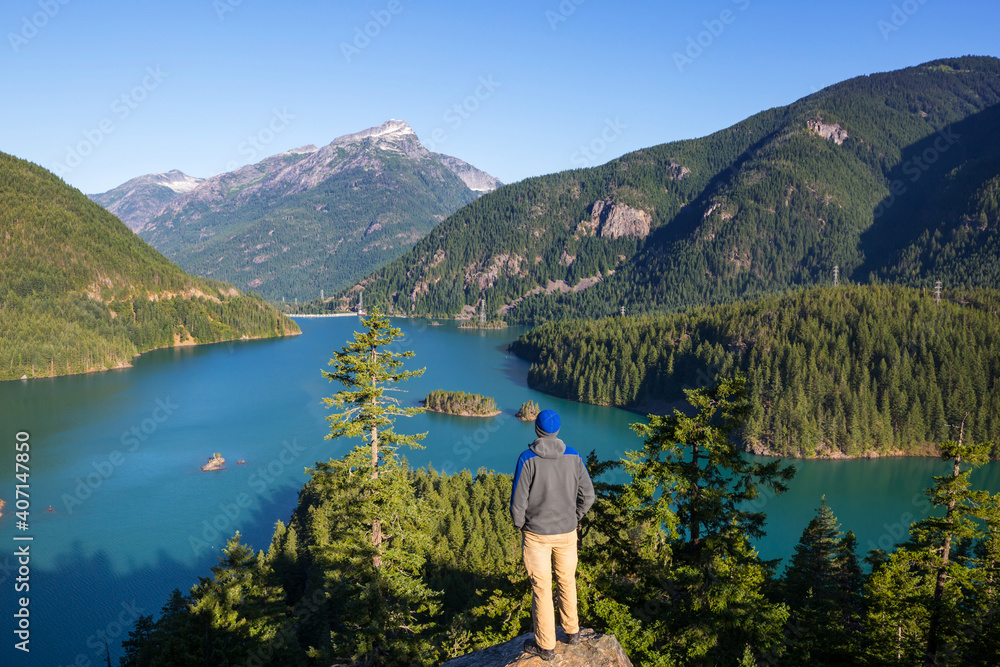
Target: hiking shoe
(531, 648)
(573, 639)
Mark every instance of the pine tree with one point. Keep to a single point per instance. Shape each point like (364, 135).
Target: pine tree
(365, 366)
(938, 536)
(712, 484)
(821, 587)
(137, 645)
(371, 559)
(693, 488)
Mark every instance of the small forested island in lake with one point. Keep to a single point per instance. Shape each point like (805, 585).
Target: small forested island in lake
(461, 403)
(529, 410)
(214, 463)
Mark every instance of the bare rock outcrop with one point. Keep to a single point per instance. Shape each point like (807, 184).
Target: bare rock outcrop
(835, 132)
(610, 219)
(678, 171)
(214, 463)
(594, 650)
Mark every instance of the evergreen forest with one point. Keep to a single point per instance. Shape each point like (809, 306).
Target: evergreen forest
(835, 371)
(81, 292)
(380, 564)
(461, 403)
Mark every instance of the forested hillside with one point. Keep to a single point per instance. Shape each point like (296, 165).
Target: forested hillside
(889, 176)
(845, 371)
(80, 292)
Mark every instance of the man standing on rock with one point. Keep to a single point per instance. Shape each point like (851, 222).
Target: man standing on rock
(552, 491)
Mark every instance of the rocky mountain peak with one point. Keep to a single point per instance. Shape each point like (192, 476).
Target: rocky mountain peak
(176, 180)
(391, 129)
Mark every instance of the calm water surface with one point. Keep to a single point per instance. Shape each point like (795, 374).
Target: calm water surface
(116, 455)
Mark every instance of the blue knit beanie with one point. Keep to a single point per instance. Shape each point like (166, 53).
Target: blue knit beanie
(547, 423)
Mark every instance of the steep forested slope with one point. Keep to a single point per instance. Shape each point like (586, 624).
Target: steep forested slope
(79, 291)
(845, 177)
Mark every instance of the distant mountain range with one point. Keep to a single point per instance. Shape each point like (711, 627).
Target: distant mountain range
(80, 292)
(141, 199)
(889, 177)
(304, 221)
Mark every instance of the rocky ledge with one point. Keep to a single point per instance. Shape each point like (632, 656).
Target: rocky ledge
(214, 463)
(594, 650)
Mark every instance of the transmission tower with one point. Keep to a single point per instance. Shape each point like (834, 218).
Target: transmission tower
(937, 292)
(482, 311)
(836, 275)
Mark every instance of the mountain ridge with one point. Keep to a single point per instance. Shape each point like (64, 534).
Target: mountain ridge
(139, 199)
(772, 202)
(311, 219)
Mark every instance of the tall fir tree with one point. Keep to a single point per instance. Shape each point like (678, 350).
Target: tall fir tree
(371, 549)
(822, 589)
(692, 487)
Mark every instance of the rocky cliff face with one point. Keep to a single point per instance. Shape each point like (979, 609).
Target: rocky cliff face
(835, 132)
(610, 219)
(476, 179)
(594, 650)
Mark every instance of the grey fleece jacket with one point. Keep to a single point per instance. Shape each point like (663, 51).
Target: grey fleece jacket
(552, 488)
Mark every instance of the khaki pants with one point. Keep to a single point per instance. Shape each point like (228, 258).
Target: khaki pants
(539, 552)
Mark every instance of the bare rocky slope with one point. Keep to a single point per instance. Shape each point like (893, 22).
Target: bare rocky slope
(140, 199)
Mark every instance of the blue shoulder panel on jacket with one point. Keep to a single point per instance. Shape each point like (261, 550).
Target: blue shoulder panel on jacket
(525, 456)
(571, 452)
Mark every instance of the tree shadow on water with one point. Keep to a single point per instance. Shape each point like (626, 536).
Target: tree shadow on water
(86, 598)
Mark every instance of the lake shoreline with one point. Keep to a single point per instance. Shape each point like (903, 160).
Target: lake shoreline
(463, 414)
(130, 363)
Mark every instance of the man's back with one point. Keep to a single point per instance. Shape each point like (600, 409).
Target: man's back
(552, 490)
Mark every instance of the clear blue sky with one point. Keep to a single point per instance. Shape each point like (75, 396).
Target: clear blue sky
(149, 86)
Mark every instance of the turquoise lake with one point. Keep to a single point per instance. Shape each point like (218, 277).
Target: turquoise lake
(117, 456)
